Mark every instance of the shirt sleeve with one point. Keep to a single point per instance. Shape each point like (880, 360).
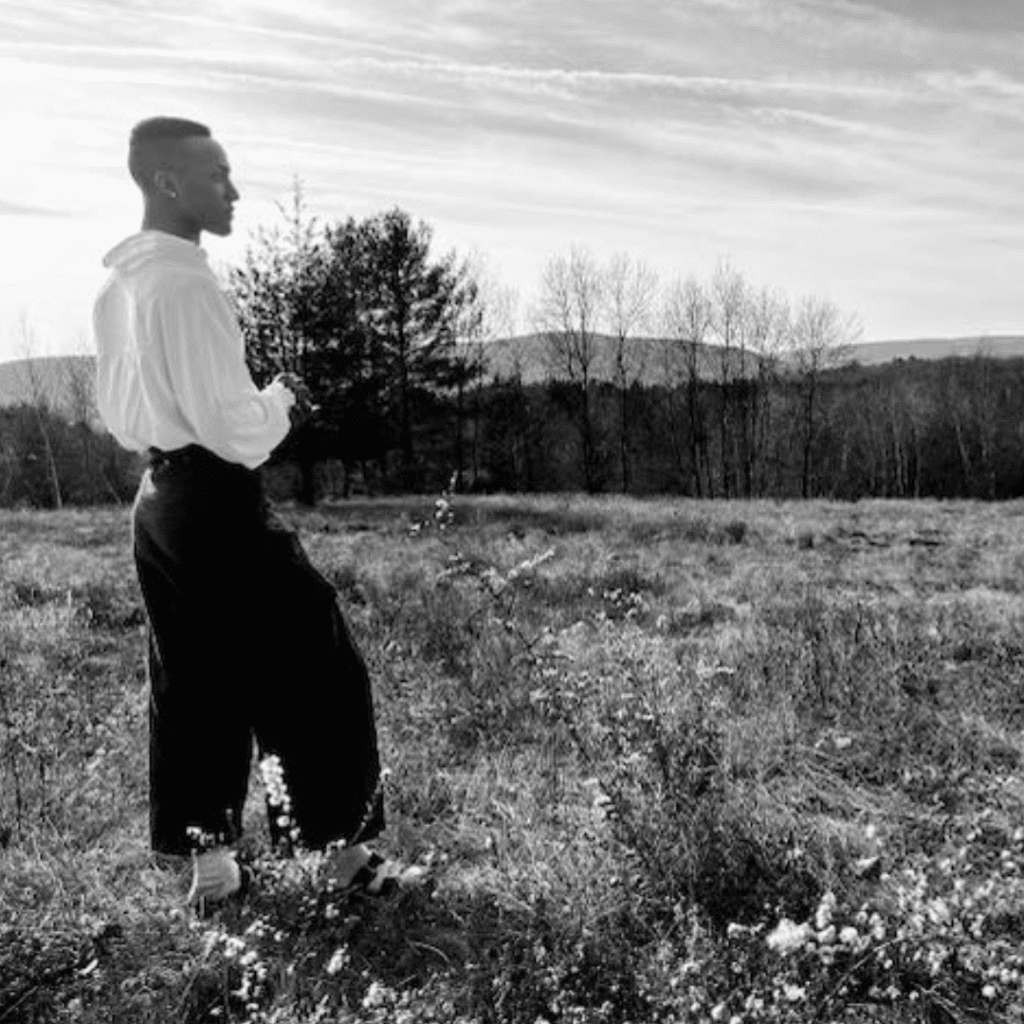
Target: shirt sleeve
(118, 396)
(205, 358)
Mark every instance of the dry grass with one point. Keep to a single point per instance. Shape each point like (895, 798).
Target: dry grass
(622, 768)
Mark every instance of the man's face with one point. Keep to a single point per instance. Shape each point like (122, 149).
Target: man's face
(205, 193)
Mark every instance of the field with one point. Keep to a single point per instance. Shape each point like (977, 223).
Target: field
(661, 760)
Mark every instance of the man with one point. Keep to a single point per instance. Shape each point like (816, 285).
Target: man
(245, 636)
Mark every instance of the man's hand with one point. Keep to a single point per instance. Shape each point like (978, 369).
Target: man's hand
(303, 407)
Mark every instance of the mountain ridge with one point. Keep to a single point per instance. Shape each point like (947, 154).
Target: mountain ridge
(528, 357)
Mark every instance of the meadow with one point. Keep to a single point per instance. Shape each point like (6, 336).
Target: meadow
(661, 761)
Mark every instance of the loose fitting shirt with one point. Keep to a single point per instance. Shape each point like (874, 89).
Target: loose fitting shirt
(170, 368)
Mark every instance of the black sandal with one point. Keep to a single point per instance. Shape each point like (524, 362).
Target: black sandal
(377, 877)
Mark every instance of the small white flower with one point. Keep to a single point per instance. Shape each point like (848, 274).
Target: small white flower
(794, 993)
(988, 992)
(938, 912)
(823, 916)
(338, 960)
(787, 936)
(376, 995)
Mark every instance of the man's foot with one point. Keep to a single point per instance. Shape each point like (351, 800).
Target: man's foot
(359, 869)
(342, 865)
(215, 876)
(377, 877)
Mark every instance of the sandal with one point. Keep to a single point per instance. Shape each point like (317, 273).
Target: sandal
(380, 877)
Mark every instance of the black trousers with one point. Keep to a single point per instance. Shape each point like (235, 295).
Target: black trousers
(246, 641)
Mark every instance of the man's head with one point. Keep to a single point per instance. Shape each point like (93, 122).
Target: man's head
(184, 176)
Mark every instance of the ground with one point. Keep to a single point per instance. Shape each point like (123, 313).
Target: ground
(660, 760)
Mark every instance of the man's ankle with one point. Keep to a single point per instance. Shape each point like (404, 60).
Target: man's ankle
(344, 864)
(215, 875)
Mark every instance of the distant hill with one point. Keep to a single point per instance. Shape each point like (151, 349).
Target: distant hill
(1008, 346)
(54, 379)
(527, 357)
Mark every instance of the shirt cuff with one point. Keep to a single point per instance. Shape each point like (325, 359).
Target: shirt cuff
(283, 394)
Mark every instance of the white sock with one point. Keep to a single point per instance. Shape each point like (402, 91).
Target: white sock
(344, 864)
(215, 875)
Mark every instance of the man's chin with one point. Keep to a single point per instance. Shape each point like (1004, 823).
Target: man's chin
(223, 229)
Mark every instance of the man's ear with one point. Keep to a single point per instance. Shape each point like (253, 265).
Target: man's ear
(165, 183)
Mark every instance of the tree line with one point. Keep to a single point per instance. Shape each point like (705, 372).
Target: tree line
(711, 388)
(393, 343)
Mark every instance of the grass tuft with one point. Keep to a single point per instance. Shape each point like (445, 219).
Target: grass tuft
(659, 760)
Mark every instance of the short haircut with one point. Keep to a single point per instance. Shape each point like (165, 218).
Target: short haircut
(152, 144)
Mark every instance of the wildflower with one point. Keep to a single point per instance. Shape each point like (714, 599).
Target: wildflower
(376, 995)
(338, 960)
(988, 992)
(787, 936)
(200, 838)
(823, 916)
(938, 912)
(272, 772)
(849, 935)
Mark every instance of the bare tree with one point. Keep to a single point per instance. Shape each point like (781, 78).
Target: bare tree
(986, 406)
(957, 404)
(821, 338)
(729, 303)
(494, 316)
(79, 403)
(79, 387)
(629, 289)
(766, 336)
(487, 316)
(568, 316)
(686, 323)
(39, 400)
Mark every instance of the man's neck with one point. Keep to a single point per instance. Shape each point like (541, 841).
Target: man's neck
(159, 220)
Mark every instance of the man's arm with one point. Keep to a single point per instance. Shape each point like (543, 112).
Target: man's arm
(303, 407)
(205, 358)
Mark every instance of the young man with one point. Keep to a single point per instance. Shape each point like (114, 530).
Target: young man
(245, 637)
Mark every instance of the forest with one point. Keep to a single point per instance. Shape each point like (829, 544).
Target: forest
(709, 389)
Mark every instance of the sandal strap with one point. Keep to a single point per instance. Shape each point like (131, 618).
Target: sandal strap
(373, 877)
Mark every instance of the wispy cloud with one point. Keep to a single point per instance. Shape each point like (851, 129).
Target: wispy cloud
(817, 140)
(9, 209)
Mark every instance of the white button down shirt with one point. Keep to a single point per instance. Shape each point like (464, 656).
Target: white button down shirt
(170, 368)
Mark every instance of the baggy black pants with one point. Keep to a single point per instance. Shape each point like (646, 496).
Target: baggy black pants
(245, 640)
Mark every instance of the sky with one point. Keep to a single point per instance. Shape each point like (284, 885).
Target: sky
(865, 151)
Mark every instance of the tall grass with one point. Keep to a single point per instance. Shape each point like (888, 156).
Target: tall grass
(626, 740)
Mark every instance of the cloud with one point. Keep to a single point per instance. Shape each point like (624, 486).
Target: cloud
(9, 209)
(808, 137)
(955, 16)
